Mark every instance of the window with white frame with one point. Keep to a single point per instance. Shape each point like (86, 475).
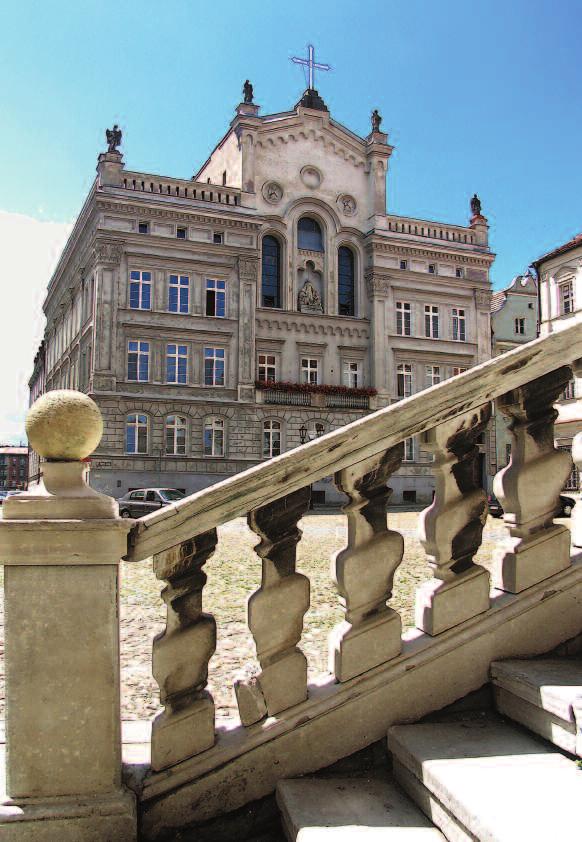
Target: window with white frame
(140, 290)
(408, 450)
(404, 376)
(271, 438)
(431, 321)
(176, 363)
(214, 366)
(178, 293)
(519, 326)
(433, 375)
(176, 435)
(136, 433)
(456, 369)
(459, 325)
(309, 370)
(214, 437)
(352, 374)
(216, 298)
(569, 392)
(403, 318)
(566, 292)
(267, 368)
(138, 360)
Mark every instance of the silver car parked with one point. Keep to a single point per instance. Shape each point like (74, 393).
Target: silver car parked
(142, 501)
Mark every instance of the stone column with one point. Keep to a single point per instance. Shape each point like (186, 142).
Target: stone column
(378, 290)
(107, 254)
(248, 274)
(61, 544)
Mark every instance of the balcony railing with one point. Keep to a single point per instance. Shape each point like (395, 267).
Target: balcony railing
(347, 401)
(279, 396)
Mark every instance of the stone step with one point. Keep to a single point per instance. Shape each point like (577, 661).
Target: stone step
(350, 809)
(483, 779)
(543, 694)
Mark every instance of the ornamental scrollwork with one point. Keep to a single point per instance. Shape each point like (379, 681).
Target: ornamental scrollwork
(248, 269)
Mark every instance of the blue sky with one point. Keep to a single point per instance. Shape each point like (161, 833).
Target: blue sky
(483, 97)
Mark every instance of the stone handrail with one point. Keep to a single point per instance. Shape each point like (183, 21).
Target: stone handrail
(431, 230)
(352, 443)
(62, 541)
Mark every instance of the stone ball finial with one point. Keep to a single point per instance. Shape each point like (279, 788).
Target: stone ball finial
(64, 425)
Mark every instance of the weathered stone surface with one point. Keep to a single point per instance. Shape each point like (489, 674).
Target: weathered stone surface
(442, 605)
(528, 488)
(181, 654)
(364, 570)
(499, 783)
(64, 424)
(345, 809)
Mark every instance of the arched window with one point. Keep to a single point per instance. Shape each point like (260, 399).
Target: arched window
(271, 274)
(346, 282)
(271, 438)
(175, 435)
(214, 437)
(309, 234)
(136, 433)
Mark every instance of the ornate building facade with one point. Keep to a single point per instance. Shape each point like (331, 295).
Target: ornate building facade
(220, 320)
(560, 305)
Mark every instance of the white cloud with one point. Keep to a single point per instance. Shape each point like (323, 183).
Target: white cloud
(30, 249)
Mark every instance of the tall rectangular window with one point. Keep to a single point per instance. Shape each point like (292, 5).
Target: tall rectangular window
(566, 297)
(431, 321)
(214, 366)
(433, 375)
(216, 298)
(403, 318)
(138, 358)
(459, 329)
(179, 294)
(140, 290)
(267, 368)
(214, 437)
(408, 450)
(569, 392)
(519, 327)
(309, 370)
(404, 380)
(352, 374)
(176, 363)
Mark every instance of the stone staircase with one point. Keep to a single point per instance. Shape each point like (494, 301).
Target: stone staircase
(474, 775)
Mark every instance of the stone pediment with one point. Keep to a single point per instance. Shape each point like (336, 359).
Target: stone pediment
(317, 130)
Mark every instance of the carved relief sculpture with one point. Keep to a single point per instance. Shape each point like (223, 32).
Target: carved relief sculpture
(309, 299)
(347, 204)
(272, 192)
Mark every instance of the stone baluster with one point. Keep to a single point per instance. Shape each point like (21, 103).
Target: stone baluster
(577, 457)
(529, 487)
(364, 571)
(61, 543)
(451, 528)
(181, 654)
(276, 611)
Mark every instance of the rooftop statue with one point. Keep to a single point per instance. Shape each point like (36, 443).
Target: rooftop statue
(376, 120)
(248, 92)
(476, 205)
(113, 137)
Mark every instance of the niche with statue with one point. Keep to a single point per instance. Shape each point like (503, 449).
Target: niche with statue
(310, 295)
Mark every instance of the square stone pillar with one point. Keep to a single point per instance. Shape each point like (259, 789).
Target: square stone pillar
(61, 545)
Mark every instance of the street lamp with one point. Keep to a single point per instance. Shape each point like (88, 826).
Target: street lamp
(303, 433)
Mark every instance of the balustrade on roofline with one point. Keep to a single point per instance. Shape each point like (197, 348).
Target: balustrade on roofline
(431, 230)
(182, 538)
(181, 188)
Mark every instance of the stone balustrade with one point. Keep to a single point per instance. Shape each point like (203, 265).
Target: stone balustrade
(61, 544)
(181, 188)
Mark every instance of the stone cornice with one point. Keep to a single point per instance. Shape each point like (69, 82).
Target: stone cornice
(375, 247)
(181, 215)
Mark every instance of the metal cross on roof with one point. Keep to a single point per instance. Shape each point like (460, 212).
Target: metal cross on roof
(311, 64)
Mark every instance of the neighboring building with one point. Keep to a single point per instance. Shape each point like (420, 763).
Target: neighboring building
(37, 387)
(220, 320)
(13, 468)
(514, 321)
(560, 305)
